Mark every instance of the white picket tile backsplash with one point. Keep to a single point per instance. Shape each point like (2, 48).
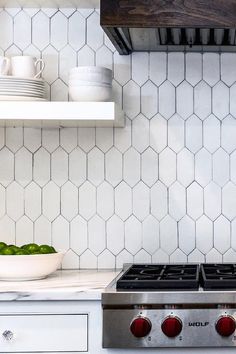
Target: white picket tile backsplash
(162, 189)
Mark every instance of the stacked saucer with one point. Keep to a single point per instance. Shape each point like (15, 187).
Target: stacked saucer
(14, 88)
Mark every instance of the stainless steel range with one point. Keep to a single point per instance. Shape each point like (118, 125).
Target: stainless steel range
(174, 305)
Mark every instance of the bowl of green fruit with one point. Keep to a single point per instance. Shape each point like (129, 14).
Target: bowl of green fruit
(28, 262)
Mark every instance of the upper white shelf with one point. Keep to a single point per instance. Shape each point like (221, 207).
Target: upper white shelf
(50, 3)
(61, 114)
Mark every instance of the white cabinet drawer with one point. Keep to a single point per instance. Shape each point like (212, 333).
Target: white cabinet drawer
(44, 333)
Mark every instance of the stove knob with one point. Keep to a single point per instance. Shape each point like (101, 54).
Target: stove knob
(140, 327)
(171, 326)
(225, 326)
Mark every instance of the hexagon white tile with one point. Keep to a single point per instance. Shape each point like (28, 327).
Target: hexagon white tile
(229, 256)
(50, 57)
(69, 201)
(131, 99)
(233, 167)
(178, 256)
(123, 257)
(59, 91)
(6, 173)
(77, 166)
(184, 100)
(60, 234)
(175, 68)
(168, 235)
(50, 139)
(167, 99)
(86, 56)
(211, 133)
(185, 167)
(220, 167)
(78, 235)
(122, 136)
(158, 69)
(51, 201)
(142, 257)
(67, 59)
(58, 33)
(40, 30)
(233, 234)
(133, 235)
(106, 260)
(33, 201)
(195, 200)
(59, 166)
(158, 133)
(7, 230)
(159, 200)
(104, 138)
(68, 139)
(2, 201)
(213, 256)
(95, 166)
(228, 70)
(24, 231)
(141, 201)
(177, 201)
(131, 167)
(167, 166)
(32, 139)
(6, 35)
(123, 200)
(105, 200)
(193, 67)
(94, 31)
(193, 134)
(86, 138)
(117, 92)
(151, 235)
(196, 257)
(149, 99)
(140, 141)
(88, 260)
(222, 234)
(14, 201)
(211, 68)
(122, 68)
(23, 158)
(203, 167)
(176, 133)
(220, 100)
(113, 166)
(204, 234)
(42, 231)
(104, 57)
(22, 30)
(96, 235)
(41, 167)
(87, 200)
(149, 167)
(186, 228)
(228, 132)
(228, 201)
(115, 234)
(160, 257)
(76, 30)
(139, 67)
(232, 100)
(14, 138)
(70, 260)
(202, 100)
(212, 200)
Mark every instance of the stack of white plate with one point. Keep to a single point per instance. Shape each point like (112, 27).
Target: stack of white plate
(90, 83)
(21, 89)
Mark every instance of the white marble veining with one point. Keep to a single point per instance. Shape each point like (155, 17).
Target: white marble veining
(62, 285)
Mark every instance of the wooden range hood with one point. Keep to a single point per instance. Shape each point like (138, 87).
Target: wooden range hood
(181, 25)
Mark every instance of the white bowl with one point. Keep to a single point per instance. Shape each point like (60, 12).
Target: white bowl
(29, 267)
(91, 73)
(90, 93)
(75, 83)
(90, 69)
(99, 78)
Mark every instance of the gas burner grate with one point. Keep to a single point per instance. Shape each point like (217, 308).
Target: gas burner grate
(160, 277)
(218, 276)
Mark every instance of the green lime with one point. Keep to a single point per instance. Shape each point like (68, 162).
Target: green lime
(2, 245)
(32, 247)
(7, 251)
(24, 247)
(21, 252)
(36, 252)
(44, 249)
(14, 248)
(53, 250)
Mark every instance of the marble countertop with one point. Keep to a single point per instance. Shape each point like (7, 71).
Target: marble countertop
(62, 285)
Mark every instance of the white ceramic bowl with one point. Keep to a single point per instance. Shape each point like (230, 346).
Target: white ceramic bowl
(99, 78)
(29, 267)
(75, 83)
(92, 73)
(90, 93)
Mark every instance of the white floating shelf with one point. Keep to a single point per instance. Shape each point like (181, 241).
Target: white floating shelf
(60, 114)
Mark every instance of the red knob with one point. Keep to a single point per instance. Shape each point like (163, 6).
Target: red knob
(225, 326)
(171, 326)
(140, 327)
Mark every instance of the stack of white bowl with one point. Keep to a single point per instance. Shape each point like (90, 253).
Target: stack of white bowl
(90, 83)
